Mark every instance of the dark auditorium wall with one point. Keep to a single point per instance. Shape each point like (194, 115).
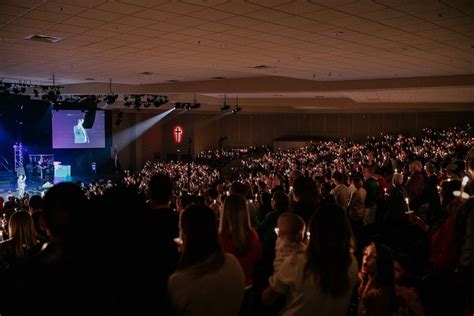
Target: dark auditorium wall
(257, 129)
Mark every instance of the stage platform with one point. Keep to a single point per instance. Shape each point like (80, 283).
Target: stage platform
(36, 186)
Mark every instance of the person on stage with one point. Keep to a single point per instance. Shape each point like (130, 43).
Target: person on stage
(21, 182)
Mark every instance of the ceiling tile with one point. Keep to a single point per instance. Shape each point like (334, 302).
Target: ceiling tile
(215, 26)
(83, 22)
(72, 29)
(178, 7)
(61, 8)
(120, 8)
(207, 3)
(238, 8)
(101, 33)
(270, 3)
(116, 27)
(100, 15)
(211, 15)
(241, 21)
(168, 27)
(298, 7)
(134, 21)
(155, 15)
(47, 16)
(193, 32)
(145, 3)
(187, 21)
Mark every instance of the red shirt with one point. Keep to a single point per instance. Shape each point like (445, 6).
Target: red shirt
(446, 246)
(250, 259)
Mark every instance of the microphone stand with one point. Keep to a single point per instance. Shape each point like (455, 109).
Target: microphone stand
(189, 164)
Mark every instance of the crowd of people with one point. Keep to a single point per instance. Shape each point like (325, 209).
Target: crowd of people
(384, 227)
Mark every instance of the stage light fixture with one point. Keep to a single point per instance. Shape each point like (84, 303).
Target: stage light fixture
(110, 99)
(137, 104)
(225, 106)
(237, 107)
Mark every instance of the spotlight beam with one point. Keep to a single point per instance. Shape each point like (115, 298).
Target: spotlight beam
(128, 135)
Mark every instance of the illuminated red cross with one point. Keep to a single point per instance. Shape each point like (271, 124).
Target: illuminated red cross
(178, 134)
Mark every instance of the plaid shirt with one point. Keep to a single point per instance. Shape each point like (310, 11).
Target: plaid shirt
(415, 186)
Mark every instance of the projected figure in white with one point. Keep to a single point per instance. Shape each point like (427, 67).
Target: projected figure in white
(80, 134)
(21, 182)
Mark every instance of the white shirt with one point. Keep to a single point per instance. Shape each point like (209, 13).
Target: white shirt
(217, 293)
(341, 194)
(303, 296)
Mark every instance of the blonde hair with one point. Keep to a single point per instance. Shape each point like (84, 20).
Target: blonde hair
(235, 223)
(22, 232)
(294, 224)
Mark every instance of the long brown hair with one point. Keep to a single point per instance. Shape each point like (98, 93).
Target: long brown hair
(235, 223)
(22, 232)
(201, 248)
(329, 251)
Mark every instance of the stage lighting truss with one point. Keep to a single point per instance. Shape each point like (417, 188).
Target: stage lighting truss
(110, 99)
(41, 92)
(188, 105)
(52, 94)
(145, 100)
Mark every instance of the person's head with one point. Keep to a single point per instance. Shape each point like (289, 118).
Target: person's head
(186, 200)
(213, 194)
(198, 230)
(415, 166)
(430, 168)
(62, 206)
(305, 190)
(369, 171)
(280, 201)
(294, 174)
(447, 189)
(377, 263)
(160, 189)
(235, 222)
(357, 180)
(397, 179)
(338, 177)
(291, 227)
(21, 230)
(36, 203)
(239, 188)
(330, 249)
(402, 267)
(80, 122)
(451, 169)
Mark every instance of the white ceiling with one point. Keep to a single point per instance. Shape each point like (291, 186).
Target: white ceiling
(197, 40)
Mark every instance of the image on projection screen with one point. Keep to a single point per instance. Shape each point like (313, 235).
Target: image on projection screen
(69, 132)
